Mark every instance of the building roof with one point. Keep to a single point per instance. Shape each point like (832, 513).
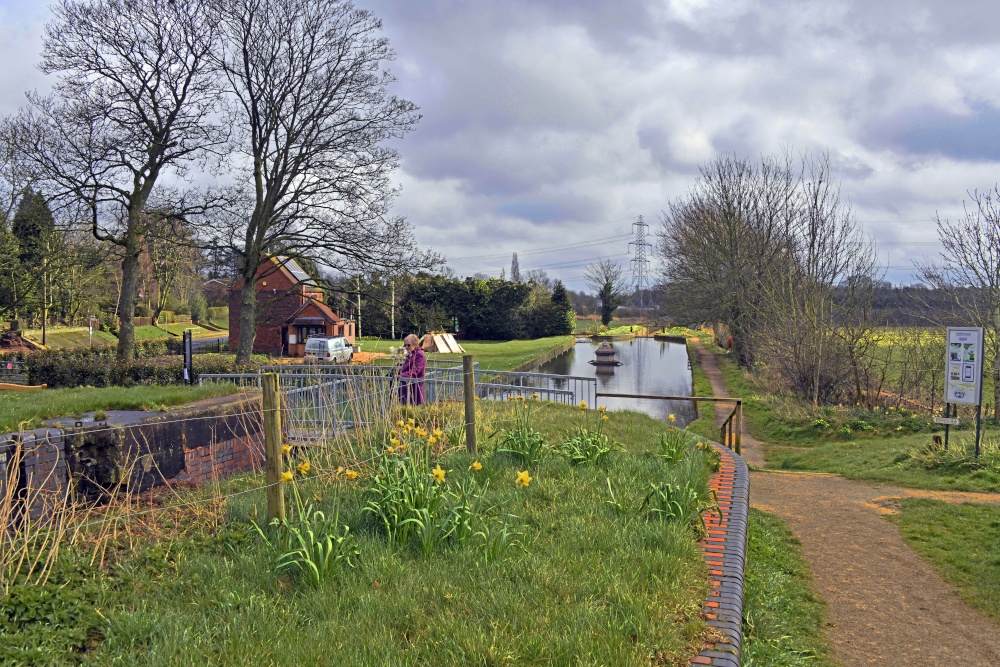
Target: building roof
(323, 311)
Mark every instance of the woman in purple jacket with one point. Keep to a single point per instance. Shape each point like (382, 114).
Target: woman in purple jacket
(411, 374)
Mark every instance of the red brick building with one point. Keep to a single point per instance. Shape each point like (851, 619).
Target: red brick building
(290, 308)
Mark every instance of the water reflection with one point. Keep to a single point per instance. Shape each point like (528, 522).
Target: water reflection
(648, 367)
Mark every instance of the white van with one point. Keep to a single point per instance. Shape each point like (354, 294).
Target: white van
(328, 350)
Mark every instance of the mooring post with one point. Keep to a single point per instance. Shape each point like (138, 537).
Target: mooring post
(469, 385)
(272, 447)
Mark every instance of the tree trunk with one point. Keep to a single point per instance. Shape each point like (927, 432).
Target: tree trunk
(126, 303)
(248, 316)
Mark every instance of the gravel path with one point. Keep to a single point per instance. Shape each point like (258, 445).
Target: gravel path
(886, 606)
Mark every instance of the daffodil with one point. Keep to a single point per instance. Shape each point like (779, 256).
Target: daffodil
(438, 474)
(523, 478)
(520, 398)
(583, 405)
(340, 470)
(601, 408)
(438, 433)
(394, 442)
(351, 474)
(401, 447)
(411, 422)
(604, 418)
(421, 433)
(286, 476)
(536, 396)
(510, 398)
(476, 466)
(671, 418)
(390, 450)
(432, 440)
(285, 449)
(400, 424)
(304, 468)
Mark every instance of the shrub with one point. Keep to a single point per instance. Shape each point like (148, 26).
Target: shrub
(844, 431)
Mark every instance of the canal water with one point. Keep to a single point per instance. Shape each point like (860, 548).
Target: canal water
(648, 367)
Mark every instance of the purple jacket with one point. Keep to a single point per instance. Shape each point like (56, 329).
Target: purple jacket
(411, 374)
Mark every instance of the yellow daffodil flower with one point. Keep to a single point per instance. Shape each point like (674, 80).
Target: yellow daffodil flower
(400, 424)
(604, 418)
(285, 449)
(523, 478)
(401, 447)
(390, 450)
(438, 433)
(432, 440)
(286, 476)
(476, 466)
(438, 474)
(411, 422)
(671, 418)
(351, 474)
(583, 405)
(304, 468)
(536, 396)
(340, 470)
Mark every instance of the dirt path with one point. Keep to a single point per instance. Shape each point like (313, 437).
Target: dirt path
(886, 606)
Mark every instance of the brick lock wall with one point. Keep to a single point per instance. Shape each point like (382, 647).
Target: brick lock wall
(222, 459)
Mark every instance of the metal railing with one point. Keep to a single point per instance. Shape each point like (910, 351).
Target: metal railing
(13, 372)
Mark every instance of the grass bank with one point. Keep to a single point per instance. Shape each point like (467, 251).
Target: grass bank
(574, 569)
(782, 618)
(71, 338)
(28, 409)
(885, 445)
(960, 541)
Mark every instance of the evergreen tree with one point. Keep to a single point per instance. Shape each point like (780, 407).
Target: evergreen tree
(38, 247)
(515, 270)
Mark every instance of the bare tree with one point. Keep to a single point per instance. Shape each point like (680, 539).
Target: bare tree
(312, 115)
(969, 271)
(132, 105)
(607, 278)
(724, 242)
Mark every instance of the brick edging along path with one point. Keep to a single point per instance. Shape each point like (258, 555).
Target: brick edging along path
(725, 551)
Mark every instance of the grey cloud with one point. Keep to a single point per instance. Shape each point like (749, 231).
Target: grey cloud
(933, 131)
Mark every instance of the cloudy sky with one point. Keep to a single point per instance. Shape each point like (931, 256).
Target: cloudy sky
(549, 127)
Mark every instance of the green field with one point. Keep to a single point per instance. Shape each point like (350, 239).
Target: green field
(70, 337)
(960, 541)
(578, 579)
(491, 355)
(27, 409)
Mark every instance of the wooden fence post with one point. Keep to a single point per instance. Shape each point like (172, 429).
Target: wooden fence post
(272, 448)
(739, 427)
(469, 382)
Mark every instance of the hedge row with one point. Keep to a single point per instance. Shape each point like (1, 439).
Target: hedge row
(58, 371)
(144, 349)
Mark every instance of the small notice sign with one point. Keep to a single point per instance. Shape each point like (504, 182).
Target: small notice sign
(963, 365)
(949, 421)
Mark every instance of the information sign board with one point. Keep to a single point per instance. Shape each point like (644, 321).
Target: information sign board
(963, 377)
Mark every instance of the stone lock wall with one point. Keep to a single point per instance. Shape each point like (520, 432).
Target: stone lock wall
(191, 445)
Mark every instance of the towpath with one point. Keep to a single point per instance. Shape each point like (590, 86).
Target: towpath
(885, 605)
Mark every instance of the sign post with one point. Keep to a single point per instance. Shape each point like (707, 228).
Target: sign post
(188, 361)
(963, 380)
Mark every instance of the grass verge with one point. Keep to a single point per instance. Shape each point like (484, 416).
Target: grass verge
(29, 408)
(887, 445)
(960, 541)
(782, 618)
